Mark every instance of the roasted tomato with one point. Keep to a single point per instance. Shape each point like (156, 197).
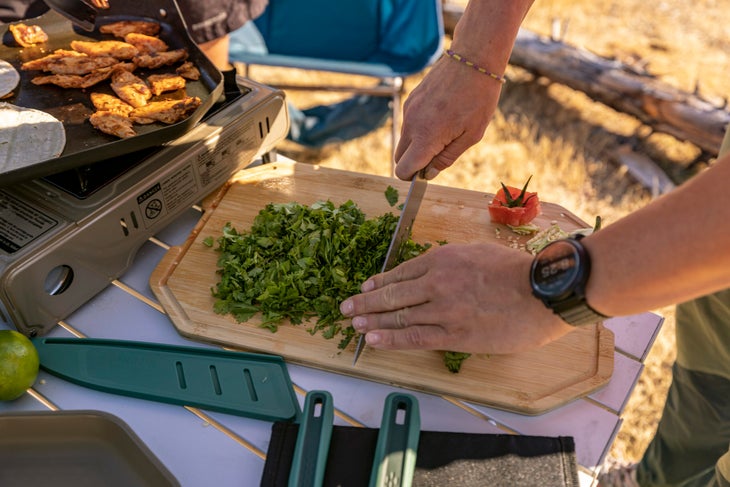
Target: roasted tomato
(514, 206)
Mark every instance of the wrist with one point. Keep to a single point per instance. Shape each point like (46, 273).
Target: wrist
(559, 276)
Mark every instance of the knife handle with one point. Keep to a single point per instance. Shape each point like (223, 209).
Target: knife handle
(313, 441)
(395, 452)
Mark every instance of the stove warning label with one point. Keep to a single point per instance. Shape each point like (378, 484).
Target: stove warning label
(20, 223)
(177, 190)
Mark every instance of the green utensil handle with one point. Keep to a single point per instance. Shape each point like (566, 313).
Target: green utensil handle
(313, 441)
(395, 452)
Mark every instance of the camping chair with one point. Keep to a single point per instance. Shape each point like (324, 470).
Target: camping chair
(384, 39)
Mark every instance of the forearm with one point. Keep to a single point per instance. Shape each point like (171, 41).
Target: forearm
(487, 30)
(675, 249)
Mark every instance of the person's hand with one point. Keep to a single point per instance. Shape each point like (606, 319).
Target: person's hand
(445, 114)
(466, 298)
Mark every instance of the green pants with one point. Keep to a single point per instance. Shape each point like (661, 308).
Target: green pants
(691, 447)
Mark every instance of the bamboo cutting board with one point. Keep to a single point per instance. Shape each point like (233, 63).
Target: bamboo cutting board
(528, 383)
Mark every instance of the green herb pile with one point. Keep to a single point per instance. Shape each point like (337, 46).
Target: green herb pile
(300, 262)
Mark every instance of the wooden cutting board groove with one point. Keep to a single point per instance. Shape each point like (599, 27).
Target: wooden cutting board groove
(529, 383)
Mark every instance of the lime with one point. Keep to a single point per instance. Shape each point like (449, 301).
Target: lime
(18, 364)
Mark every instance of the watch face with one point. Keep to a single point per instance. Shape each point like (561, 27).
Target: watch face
(556, 269)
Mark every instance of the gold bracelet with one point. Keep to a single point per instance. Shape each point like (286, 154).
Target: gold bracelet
(461, 59)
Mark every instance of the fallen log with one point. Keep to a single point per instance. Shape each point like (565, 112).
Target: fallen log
(684, 115)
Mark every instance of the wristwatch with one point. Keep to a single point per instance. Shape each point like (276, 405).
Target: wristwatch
(558, 277)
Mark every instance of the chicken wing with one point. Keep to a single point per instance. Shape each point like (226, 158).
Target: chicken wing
(130, 88)
(167, 111)
(115, 49)
(28, 35)
(124, 27)
(113, 124)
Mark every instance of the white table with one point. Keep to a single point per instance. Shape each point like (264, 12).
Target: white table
(200, 447)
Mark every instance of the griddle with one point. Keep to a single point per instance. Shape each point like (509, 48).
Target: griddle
(84, 144)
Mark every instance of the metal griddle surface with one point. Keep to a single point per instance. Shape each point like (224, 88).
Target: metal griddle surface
(84, 144)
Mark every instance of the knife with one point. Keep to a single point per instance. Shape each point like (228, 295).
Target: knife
(401, 235)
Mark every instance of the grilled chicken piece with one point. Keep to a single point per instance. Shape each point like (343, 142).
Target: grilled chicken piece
(116, 49)
(188, 71)
(79, 65)
(167, 111)
(113, 124)
(146, 44)
(102, 74)
(160, 83)
(85, 81)
(62, 80)
(28, 35)
(130, 88)
(124, 27)
(157, 60)
(41, 63)
(109, 103)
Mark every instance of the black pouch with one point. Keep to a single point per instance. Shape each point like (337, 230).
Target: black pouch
(443, 458)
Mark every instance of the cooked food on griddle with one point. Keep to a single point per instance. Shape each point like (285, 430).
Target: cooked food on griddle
(79, 65)
(113, 124)
(85, 81)
(88, 63)
(61, 80)
(41, 63)
(124, 27)
(167, 111)
(160, 59)
(110, 103)
(9, 78)
(116, 49)
(130, 88)
(28, 35)
(161, 83)
(188, 71)
(146, 44)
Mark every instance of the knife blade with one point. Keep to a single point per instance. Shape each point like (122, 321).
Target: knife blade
(400, 236)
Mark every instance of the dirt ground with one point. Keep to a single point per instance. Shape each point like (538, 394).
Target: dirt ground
(567, 141)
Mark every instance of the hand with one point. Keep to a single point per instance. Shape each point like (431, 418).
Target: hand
(445, 114)
(463, 298)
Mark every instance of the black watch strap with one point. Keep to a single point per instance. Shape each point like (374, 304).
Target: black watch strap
(579, 314)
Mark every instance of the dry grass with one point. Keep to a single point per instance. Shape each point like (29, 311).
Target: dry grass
(567, 141)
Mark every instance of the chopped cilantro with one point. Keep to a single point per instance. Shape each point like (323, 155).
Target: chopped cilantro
(299, 262)
(391, 194)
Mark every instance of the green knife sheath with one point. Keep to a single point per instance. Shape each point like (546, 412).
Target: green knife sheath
(239, 383)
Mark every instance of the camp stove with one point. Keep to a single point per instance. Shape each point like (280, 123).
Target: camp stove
(65, 237)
